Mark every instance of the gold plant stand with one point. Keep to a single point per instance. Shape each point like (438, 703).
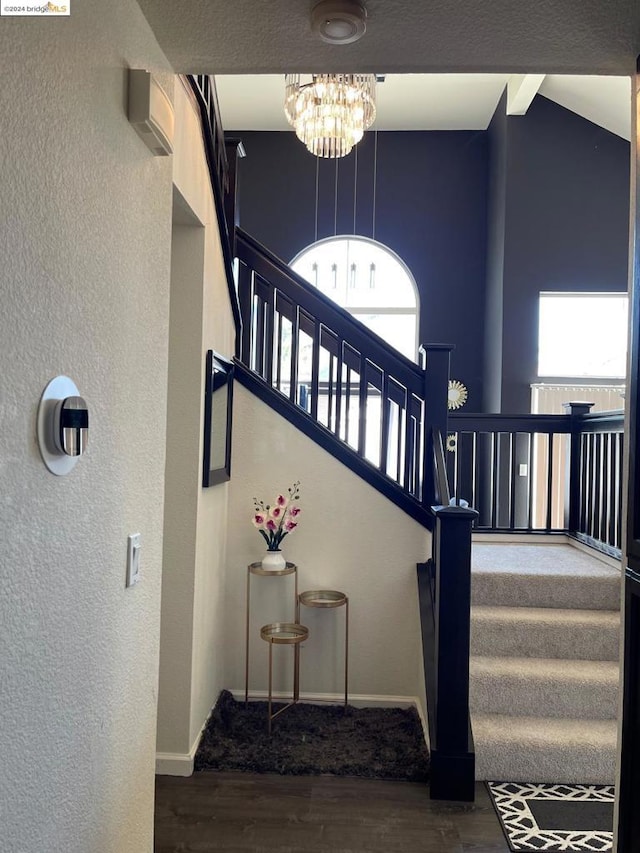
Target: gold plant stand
(284, 633)
(256, 569)
(330, 598)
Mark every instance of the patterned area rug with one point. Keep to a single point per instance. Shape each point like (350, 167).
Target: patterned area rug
(382, 743)
(555, 817)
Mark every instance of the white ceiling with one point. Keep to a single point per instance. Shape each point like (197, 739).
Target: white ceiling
(432, 101)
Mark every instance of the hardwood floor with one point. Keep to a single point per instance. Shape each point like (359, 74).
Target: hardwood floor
(240, 812)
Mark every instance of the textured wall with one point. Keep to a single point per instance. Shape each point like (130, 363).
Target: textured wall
(192, 647)
(574, 36)
(350, 538)
(84, 242)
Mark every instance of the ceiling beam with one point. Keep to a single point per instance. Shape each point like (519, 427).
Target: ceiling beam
(521, 90)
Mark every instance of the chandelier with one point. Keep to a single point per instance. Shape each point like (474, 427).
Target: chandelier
(330, 112)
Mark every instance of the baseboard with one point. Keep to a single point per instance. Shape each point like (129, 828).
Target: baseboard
(174, 763)
(523, 538)
(358, 700)
(179, 763)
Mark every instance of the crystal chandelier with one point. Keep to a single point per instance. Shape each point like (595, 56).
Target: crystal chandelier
(330, 112)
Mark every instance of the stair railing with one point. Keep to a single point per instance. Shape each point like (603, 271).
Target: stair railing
(444, 590)
(222, 177)
(371, 406)
(542, 473)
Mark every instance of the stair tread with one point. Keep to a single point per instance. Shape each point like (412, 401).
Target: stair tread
(546, 560)
(528, 668)
(548, 732)
(543, 749)
(556, 615)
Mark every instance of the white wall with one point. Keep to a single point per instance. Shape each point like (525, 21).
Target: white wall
(85, 213)
(192, 641)
(350, 538)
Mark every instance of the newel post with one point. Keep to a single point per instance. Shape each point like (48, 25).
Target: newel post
(452, 758)
(576, 412)
(434, 360)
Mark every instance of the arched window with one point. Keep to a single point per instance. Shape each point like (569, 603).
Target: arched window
(370, 281)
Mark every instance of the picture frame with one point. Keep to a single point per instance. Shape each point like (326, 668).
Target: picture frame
(218, 419)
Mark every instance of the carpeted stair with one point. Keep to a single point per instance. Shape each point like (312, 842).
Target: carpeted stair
(545, 626)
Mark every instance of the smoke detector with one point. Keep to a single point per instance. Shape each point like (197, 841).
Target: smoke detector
(339, 21)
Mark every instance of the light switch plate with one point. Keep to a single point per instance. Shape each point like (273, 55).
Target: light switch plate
(133, 559)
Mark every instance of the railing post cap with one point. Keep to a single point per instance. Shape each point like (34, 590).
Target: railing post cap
(577, 407)
(460, 513)
(436, 347)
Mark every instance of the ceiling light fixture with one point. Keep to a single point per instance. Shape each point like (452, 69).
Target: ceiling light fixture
(339, 21)
(330, 112)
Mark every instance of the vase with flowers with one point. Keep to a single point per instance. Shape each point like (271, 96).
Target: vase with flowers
(275, 521)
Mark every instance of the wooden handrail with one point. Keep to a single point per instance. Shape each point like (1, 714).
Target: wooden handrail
(355, 387)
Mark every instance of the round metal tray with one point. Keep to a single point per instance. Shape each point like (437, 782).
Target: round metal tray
(322, 598)
(284, 632)
(256, 569)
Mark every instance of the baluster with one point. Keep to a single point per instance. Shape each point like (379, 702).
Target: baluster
(384, 427)
(245, 279)
(339, 368)
(315, 369)
(495, 486)
(512, 481)
(530, 470)
(293, 378)
(362, 403)
(550, 467)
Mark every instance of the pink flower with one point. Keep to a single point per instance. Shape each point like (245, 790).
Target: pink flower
(271, 525)
(259, 519)
(294, 510)
(290, 526)
(281, 501)
(276, 512)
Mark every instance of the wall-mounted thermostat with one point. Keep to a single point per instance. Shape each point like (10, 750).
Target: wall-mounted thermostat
(63, 425)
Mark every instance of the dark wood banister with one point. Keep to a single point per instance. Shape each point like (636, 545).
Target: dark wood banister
(309, 298)
(269, 291)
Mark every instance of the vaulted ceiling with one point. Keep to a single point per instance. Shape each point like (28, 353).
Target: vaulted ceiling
(437, 101)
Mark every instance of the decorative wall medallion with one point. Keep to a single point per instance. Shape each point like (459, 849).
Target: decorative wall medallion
(452, 442)
(457, 395)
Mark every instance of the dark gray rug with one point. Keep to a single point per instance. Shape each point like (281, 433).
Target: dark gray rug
(555, 817)
(381, 743)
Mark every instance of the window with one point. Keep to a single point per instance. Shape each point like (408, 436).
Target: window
(370, 282)
(583, 335)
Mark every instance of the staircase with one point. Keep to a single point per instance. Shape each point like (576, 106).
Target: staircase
(545, 626)
(542, 679)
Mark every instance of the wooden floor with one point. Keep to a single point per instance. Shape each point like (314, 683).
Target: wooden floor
(316, 814)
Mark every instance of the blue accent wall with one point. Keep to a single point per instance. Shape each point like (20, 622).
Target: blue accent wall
(484, 220)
